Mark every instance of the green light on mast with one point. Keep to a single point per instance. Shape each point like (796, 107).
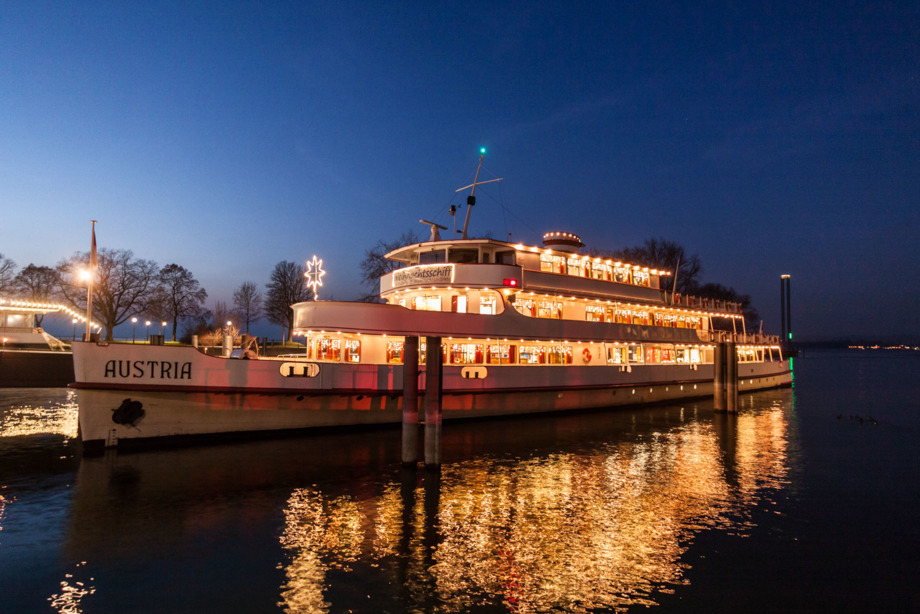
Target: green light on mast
(482, 151)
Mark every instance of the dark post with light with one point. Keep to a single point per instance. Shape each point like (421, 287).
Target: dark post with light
(433, 375)
(785, 306)
(718, 377)
(410, 402)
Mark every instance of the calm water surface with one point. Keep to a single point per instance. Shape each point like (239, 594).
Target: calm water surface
(806, 501)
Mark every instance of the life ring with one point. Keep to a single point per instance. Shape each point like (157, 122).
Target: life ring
(586, 355)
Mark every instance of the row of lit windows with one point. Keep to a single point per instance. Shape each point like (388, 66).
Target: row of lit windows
(582, 267)
(552, 309)
(331, 348)
(539, 308)
(556, 354)
(349, 350)
(602, 313)
(488, 304)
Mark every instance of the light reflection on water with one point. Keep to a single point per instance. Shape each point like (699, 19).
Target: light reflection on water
(602, 511)
(566, 514)
(603, 527)
(38, 411)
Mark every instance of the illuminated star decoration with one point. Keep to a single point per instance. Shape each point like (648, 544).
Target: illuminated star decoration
(314, 275)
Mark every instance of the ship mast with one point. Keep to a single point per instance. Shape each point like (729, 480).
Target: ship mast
(471, 199)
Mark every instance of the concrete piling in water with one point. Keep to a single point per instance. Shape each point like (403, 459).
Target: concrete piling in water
(718, 381)
(731, 377)
(433, 384)
(410, 402)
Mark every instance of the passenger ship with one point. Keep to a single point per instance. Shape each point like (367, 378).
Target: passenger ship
(523, 329)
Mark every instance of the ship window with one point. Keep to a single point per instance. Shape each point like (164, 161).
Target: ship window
(622, 274)
(500, 354)
(599, 270)
(552, 264)
(465, 353)
(487, 305)
(616, 354)
(431, 257)
(458, 303)
(549, 309)
(428, 303)
(532, 354)
(506, 257)
(577, 267)
(423, 352)
(640, 317)
(595, 313)
(352, 350)
(635, 353)
(560, 355)
(395, 351)
(641, 278)
(464, 256)
(652, 354)
(526, 307)
(328, 349)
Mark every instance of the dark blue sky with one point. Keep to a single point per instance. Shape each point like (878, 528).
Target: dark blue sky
(768, 138)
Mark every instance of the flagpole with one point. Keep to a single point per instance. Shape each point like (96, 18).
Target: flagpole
(93, 259)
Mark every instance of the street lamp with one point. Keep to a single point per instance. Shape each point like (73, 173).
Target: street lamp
(133, 329)
(147, 324)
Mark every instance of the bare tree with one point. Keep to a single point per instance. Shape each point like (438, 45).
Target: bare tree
(723, 293)
(664, 255)
(287, 286)
(37, 283)
(123, 287)
(221, 314)
(180, 295)
(375, 265)
(7, 274)
(247, 303)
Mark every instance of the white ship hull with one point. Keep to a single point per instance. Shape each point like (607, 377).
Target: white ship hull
(179, 392)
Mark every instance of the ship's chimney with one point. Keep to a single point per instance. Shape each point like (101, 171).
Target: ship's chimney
(562, 241)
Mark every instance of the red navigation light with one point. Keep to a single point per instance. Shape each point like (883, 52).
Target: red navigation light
(510, 282)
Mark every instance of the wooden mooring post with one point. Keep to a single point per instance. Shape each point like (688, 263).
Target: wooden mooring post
(731, 377)
(718, 377)
(433, 387)
(410, 402)
(725, 377)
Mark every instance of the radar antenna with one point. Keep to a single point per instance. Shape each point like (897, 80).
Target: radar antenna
(435, 235)
(471, 199)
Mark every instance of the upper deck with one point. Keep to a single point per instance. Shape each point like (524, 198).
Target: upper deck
(491, 264)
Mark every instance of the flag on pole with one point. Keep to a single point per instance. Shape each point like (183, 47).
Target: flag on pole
(93, 261)
(93, 258)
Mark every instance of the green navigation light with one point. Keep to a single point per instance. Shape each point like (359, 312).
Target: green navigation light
(482, 150)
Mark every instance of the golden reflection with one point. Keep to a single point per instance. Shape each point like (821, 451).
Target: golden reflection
(567, 532)
(52, 412)
(2, 507)
(69, 600)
